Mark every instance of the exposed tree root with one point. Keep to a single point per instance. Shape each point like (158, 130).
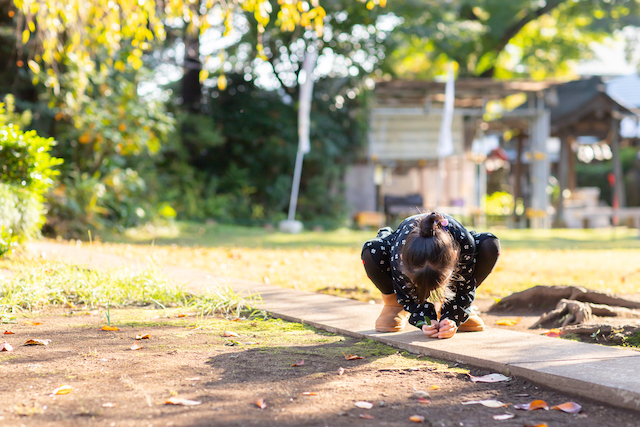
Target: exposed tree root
(574, 305)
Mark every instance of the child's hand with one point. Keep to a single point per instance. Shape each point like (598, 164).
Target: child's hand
(431, 330)
(447, 329)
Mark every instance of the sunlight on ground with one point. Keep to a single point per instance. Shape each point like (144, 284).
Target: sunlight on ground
(605, 260)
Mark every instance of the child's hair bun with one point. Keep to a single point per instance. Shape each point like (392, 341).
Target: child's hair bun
(430, 224)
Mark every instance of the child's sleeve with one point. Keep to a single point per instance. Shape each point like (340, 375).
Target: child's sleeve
(458, 308)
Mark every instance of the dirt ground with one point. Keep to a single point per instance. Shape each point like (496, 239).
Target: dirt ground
(189, 357)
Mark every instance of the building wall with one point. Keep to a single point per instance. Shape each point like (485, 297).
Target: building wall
(401, 134)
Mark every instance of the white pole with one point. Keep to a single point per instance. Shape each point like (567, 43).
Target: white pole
(293, 202)
(304, 109)
(445, 139)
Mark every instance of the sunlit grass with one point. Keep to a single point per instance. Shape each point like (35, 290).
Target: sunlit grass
(605, 259)
(35, 284)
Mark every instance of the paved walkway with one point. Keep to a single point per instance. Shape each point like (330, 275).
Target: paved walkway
(606, 374)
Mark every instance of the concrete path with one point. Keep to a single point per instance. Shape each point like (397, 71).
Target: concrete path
(606, 374)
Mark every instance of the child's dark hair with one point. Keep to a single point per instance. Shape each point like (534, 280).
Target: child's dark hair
(429, 257)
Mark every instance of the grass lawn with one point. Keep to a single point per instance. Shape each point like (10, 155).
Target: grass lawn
(329, 261)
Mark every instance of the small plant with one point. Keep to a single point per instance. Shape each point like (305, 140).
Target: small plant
(109, 312)
(8, 315)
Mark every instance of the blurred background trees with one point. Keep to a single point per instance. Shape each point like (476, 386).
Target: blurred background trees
(181, 108)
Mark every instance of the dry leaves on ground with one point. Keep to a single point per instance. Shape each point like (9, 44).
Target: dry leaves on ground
(181, 402)
(553, 333)
(508, 322)
(309, 393)
(110, 328)
(532, 406)
(63, 389)
(260, 403)
(569, 407)
(31, 323)
(503, 417)
(352, 356)
(136, 346)
(367, 416)
(230, 334)
(143, 337)
(300, 363)
(487, 403)
(5, 346)
(490, 378)
(416, 418)
(37, 342)
(341, 371)
(9, 333)
(363, 405)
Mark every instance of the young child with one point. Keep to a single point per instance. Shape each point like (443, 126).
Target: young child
(430, 258)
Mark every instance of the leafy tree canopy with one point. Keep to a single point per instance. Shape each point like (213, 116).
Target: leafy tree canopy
(500, 38)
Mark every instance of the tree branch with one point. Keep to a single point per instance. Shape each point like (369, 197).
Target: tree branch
(512, 31)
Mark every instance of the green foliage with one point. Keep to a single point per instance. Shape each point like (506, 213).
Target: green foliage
(249, 173)
(26, 174)
(499, 38)
(499, 203)
(595, 174)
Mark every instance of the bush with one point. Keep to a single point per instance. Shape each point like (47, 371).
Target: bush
(26, 174)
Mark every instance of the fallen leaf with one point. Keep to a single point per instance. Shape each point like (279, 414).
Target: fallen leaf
(109, 405)
(193, 379)
(37, 342)
(29, 322)
(181, 315)
(367, 416)
(309, 393)
(63, 389)
(570, 407)
(9, 333)
(532, 406)
(508, 322)
(420, 394)
(194, 327)
(553, 333)
(300, 363)
(251, 343)
(182, 402)
(434, 387)
(491, 378)
(536, 425)
(416, 418)
(5, 346)
(352, 356)
(260, 403)
(363, 405)
(143, 337)
(136, 346)
(423, 400)
(110, 328)
(503, 417)
(230, 334)
(487, 403)
(341, 371)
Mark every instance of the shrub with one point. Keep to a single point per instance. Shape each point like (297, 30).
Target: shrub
(26, 174)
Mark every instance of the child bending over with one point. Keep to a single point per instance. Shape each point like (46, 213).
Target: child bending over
(430, 258)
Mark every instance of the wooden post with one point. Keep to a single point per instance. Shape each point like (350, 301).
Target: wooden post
(563, 172)
(517, 185)
(618, 189)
